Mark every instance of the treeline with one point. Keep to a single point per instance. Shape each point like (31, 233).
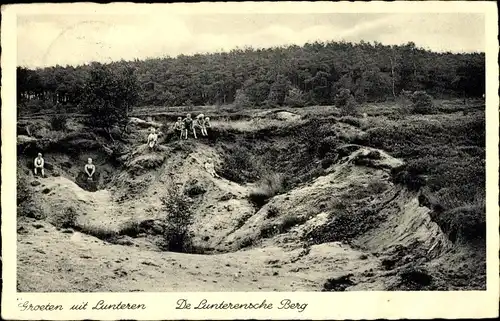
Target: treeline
(312, 74)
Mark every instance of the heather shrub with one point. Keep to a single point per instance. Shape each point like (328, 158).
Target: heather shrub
(295, 98)
(178, 218)
(421, 102)
(346, 102)
(267, 187)
(58, 122)
(238, 164)
(241, 100)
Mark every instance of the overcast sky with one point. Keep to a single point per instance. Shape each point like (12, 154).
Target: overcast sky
(46, 40)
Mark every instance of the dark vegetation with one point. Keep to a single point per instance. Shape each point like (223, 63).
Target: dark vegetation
(278, 158)
(108, 95)
(414, 279)
(338, 284)
(267, 187)
(283, 225)
(343, 226)
(177, 236)
(313, 74)
(58, 122)
(26, 205)
(346, 102)
(193, 188)
(347, 222)
(66, 218)
(239, 164)
(421, 102)
(447, 158)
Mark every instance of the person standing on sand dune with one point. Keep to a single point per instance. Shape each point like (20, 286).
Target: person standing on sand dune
(188, 126)
(152, 139)
(203, 122)
(209, 166)
(207, 124)
(90, 169)
(39, 163)
(179, 126)
(200, 123)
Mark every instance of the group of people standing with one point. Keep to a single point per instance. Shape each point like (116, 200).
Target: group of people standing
(183, 127)
(188, 124)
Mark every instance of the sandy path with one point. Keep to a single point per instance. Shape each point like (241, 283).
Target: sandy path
(84, 263)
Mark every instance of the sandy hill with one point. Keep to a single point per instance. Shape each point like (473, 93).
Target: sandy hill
(348, 228)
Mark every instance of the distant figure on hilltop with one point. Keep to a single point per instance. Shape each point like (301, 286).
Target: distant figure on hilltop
(209, 166)
(39, 163)
(152, 139)
(90, 169)
(200, 123)
(188, 126)
(179, 126)
(207, 124)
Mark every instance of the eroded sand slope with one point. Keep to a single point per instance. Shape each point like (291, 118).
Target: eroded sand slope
(271, 248)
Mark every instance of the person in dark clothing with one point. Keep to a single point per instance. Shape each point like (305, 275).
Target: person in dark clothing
(188, 126)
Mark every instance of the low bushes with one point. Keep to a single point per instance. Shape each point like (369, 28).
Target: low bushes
(58, 122)
(23, 192)
(354, 121)
(238, 164)
(283, 225)
(295, 98)
(26, 205)
(178, 218)
(463, 224)
(101, 232)
(130, 228)
(421, 102)
(346, 102)
(447, 158)
(67, 219)
(343, 225)
(37, 105)
(295, 149)
(272, 211)
(268, 187)
(327, 145)
(418, 102)
(193, 188)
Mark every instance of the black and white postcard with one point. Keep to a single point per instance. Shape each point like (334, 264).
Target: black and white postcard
(279, 160)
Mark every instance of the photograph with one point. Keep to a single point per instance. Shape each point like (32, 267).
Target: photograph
(241, 151)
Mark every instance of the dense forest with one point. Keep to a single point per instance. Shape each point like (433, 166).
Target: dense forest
(293, 75)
